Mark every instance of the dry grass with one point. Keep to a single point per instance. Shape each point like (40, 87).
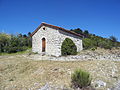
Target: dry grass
(19, 73)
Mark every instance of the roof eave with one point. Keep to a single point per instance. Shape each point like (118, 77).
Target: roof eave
(52, 26)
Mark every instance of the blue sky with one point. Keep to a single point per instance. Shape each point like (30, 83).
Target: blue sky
(100, 17)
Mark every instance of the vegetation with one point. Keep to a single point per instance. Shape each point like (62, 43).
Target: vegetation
(92, 41)
(68, 47)
(14, 43)
(80, 79)
(112, 38)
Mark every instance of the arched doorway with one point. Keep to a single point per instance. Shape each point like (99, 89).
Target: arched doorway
(43, 44)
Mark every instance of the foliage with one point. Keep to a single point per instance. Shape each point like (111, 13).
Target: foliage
(80, 79)
(4, 41)
(14, 43)
(107, 44)
(68, 47)
(91, 41)
(88, 43)
(86, 32)
(78, 30)
(113, 38)
(95, 41)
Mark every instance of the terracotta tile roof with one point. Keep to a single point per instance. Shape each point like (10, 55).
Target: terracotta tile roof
(56, 27)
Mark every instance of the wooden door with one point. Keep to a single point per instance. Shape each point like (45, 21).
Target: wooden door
(43, 45)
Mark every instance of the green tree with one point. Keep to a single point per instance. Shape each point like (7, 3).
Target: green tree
(78, 31)
(86, 32)
(14, 43)
(29, 39)
(68, 47)
(92, 41)
(4, 41)
(113, 38)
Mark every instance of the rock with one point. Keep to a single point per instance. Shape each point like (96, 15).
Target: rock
(46, 87)
(52, 87)
(99, 83)
(117, 86)
(85, 55)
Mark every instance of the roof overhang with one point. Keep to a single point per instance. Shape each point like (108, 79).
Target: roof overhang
(55, 27)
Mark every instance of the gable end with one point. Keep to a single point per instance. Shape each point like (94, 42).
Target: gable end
(55, 27)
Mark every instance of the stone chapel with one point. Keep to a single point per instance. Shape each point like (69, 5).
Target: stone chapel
(48, 39)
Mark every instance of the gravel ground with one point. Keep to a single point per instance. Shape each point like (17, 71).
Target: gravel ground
(117, 86)
(36, 72)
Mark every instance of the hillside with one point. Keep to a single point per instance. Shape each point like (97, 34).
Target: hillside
(92, 41)
(30, 71)
(23, 72)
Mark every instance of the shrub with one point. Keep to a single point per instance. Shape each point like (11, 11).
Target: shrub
(10, 49)
(93, 49)
(14, 43)
(68, 47)
(113, 38)
(94, 42)
(88, 43)
(80, 79)
(106, 44)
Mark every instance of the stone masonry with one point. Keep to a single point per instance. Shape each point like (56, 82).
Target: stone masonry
(54, 36)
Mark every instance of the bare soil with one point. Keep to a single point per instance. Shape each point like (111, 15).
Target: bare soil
(21, 73)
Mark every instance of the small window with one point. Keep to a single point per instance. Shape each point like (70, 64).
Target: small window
(44, 28)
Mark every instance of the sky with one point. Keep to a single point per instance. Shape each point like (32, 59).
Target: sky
(100, 17)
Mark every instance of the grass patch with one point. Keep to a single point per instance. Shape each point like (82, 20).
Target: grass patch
(17, 53)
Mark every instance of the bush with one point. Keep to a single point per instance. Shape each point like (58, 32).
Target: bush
(94, 41)
(14, 43)
(106, 44)
(80, 79)
(10, 49)
(113, 38)
(89, 43)
(93, 49)
(68, 47)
